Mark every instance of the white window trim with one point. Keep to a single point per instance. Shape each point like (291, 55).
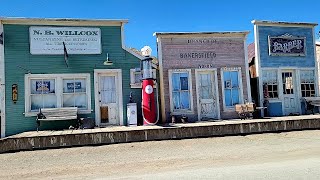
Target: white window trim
(139, 85)
(59, 89)
(299, 80)
(178, 112)
(238, 69)
(278, 74)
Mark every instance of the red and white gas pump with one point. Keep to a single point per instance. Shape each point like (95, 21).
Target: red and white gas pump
(149, 106)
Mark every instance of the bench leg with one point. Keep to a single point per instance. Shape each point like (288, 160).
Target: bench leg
(38, 125)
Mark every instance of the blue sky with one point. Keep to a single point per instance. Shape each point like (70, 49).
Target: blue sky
(149, 16)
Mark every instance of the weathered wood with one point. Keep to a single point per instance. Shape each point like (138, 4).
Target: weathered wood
(55, 114)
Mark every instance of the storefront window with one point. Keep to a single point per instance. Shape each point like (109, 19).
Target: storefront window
(74, 93)
(231, 85)
(270, 83)
(180, 90)
(43, 94)
(56, 90)
(307, 83)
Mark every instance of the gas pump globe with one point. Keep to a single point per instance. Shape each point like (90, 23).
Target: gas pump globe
(148, 99)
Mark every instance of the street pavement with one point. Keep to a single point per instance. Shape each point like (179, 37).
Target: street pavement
(290, 155)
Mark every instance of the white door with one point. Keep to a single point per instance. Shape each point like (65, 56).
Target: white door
(289, 92)
(207, 95)
(108, 99)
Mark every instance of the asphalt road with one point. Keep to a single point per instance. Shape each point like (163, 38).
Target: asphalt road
(292, 155)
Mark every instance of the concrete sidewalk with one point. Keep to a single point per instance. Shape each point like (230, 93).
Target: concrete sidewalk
(124, 134)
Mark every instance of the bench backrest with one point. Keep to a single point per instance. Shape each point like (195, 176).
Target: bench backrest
(64, 113)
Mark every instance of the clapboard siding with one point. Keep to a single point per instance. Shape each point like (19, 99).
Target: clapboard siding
(229, 53)
(293, 61)
(18, 61)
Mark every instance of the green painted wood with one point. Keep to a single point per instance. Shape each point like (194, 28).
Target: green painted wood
(19, 61)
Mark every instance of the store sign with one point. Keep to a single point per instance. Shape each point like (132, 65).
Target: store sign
(76, 85)
(43, 86)
(78, 40)
(287, 45)
(198, 55)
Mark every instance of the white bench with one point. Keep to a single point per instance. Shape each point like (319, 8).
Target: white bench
(57, 114)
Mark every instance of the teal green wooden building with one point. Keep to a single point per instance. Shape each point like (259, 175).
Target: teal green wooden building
(56, 63)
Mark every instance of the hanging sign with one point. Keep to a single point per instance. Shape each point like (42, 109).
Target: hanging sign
(287, 45)
(77, 40)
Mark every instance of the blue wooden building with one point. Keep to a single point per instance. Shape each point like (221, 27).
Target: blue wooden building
(285, 65)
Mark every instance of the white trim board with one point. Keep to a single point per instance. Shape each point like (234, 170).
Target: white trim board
(161, 79)
(2, 88)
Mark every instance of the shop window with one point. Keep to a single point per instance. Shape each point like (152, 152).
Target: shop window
(231, 78)
(136, 78)
(43, 94)
(74, 93)
(180, 90)
(57, 90)
(270, 83)
(307, 83)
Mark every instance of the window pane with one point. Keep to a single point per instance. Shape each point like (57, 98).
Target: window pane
(234, 79)
(176, 100)
(226, 76)
(42, 86)
(227, 97)
(137, 77)
(108, 89)
(205, 93)
(74, 85)
(270, 81)
(185, 100)
(184, 83)
(235, 96)
(43, 101)
(176, 81)
(75, 100)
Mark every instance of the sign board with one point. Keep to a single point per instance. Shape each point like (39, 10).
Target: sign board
(78, 40)
(43, 86)
(287, 45)
(76, 85)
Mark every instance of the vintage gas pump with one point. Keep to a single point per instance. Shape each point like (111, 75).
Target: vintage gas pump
(149, 106)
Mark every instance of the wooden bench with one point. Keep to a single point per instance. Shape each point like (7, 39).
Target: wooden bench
(57, 114)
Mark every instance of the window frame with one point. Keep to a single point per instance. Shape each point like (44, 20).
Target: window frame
(277, 83)
(133, 84)
(180, 111)
(237, 69)
(314, 82)
(58, 90)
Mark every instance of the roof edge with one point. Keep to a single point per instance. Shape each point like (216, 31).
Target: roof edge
(202, 33)
(284, 23)
(60, 21)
